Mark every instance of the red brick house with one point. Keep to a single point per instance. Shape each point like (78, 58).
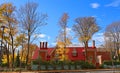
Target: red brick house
(74, 53)
(44, 52)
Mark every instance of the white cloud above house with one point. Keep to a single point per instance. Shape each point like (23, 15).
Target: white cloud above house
(115, 3)
(95, 5)
(42, 35)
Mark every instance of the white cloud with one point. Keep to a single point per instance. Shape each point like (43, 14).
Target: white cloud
(115, 3)
(41, 35)
(95, 5)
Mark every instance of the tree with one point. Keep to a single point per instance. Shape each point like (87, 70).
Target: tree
(17, 61)
(9, 15)
(2, 22)
(112, 33)
(23, 52)
(63, 39)
(85, 28)
(30, 21)
(21, 40)
(2, 19)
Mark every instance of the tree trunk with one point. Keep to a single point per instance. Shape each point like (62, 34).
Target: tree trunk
(111, 56)
(21, 55)
(8, 55)
(12, 50)
(28, 49)
(118, 53)
(86, 46)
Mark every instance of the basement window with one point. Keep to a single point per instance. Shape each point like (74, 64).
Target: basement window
(74, 52)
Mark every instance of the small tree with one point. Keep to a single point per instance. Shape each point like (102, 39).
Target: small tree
(17, 61)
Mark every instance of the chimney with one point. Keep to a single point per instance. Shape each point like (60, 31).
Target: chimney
(43, 43)
(40, 44)
(93, 43)
(46, 45)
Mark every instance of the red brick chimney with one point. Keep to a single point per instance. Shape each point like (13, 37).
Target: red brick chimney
(40, 45)
(46, 44)
(93, 43)
(43, 45)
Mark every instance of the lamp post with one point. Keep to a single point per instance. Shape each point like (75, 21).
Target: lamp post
(3, 27)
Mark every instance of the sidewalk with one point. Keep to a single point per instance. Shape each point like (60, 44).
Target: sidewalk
(73, 71)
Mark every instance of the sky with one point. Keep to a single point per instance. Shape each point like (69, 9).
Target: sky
(105, 12)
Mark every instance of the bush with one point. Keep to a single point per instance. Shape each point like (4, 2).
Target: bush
(82, 64)
(110, 63)
(86, 65)
(4, 64)
(35, 62)
(23, 64)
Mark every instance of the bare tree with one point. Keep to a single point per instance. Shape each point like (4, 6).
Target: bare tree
(30, 20)
(85, 28)
(113, 32)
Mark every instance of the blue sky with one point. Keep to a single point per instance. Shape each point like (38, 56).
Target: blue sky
(105, 12)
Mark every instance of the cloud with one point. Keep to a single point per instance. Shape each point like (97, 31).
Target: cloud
(41, 35)
(115, 3)
(95, 5)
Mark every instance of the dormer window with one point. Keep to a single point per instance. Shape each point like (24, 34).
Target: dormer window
(74, 52)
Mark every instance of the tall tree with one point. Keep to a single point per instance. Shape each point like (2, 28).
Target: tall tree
(62, 37)
(2, 22)
(85, 28)
(113, 33)
(30, 20)
(9, 15)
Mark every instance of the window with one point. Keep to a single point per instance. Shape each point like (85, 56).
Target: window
(74, 52)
